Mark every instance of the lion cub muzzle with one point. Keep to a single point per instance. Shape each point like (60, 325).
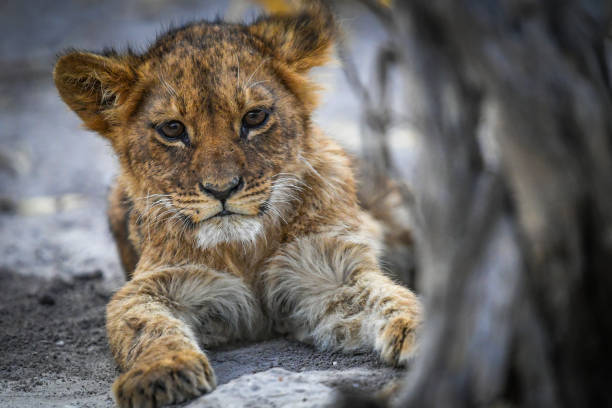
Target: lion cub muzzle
(222, 191)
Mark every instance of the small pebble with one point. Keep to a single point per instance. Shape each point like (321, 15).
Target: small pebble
(335, 363)
(90, 275)
(59, 343)
(46, 300)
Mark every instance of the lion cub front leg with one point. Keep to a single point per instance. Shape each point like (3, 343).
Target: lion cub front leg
(151, 325)
(330, 292)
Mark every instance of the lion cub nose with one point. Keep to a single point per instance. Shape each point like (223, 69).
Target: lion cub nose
(224, 191)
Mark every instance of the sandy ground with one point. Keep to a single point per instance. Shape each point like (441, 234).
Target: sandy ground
(53, 347)
(58, 265)
(54, 350)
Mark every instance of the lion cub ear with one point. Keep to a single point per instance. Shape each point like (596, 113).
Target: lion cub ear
(302, 39)
(95, 86)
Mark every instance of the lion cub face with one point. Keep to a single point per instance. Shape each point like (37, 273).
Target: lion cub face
(215, 132)
(208, 124)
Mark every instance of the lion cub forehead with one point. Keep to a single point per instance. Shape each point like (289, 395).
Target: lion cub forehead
(215, 59)
(204, 44)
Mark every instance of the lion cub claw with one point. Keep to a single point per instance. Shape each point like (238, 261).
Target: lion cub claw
(176, 377)
(397, 340)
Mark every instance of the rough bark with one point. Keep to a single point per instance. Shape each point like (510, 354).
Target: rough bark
(512, 100)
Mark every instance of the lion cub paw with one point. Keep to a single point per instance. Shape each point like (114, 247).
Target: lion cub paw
(174, 378)
(397, 340)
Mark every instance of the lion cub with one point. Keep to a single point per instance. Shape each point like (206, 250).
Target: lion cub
(234, 217)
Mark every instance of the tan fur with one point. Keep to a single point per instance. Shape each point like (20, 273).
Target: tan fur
(297, 256)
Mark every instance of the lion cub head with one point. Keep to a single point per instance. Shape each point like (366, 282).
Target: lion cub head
(209, 122)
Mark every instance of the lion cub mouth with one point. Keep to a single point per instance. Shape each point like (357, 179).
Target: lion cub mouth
(225, 213)
(202, 214)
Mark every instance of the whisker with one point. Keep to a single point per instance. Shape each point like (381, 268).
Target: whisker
(255, 71)
(257, 83)
(238, 86)
(315, 172)
(252, 200)
(166, 85)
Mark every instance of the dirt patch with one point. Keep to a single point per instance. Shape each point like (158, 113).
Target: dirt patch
(52, 341)
(54, 351)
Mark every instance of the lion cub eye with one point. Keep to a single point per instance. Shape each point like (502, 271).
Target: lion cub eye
(172, 131)
(252, 120)
(255, 118)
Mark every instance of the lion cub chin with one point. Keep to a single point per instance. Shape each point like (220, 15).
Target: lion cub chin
(232, 228)
(234, 217)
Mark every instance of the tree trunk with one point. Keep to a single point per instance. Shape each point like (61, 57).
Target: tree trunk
(512, 100)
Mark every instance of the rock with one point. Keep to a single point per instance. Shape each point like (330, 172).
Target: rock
(15, 162)
(45, 205)
(96, 274)
(46, 300)
(7, 205)
(278, 387)
(273, 388)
